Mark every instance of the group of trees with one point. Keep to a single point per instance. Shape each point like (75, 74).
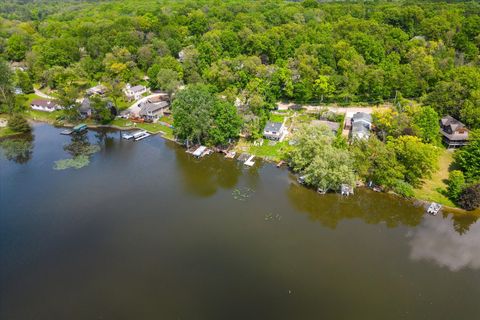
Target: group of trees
(257, 51)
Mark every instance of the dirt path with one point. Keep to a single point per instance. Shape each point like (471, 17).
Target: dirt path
(43, 95)
(336, 109)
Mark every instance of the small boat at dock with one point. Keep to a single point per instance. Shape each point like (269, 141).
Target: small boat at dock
(434, 208)
(230, 155)
(79, 128)
(66, 132)
(281, 163)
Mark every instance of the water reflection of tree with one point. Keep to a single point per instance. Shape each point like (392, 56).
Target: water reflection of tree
(80, 150)
(18, 149)
(372, 208)
(203, 177)
(462, 223)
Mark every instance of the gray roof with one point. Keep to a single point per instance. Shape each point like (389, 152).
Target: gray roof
(452, 122)
(362, 116)
(85, 106)
(273, 126)
(137, 88)
(149, 108)
(358, 127)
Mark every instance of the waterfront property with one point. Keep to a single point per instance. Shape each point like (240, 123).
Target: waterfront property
(135, 92)
(44, 105)
(274, 131)
(454, 132)
(361, 124)
(154, 108)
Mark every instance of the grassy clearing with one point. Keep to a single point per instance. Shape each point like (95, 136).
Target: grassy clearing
(150, 127)
(432, 188)
(7, 132)
(269, 152)
(277, 117)
(49, 117)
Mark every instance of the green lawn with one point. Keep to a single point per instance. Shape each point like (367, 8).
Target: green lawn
(277, 117)
(431, 188)
(269, 152)
(150, 127)
(43, 116)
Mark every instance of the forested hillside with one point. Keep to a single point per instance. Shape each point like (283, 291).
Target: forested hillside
(258, 51)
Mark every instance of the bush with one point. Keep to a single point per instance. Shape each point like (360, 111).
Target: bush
(456, 183)
(403, 188)
(19, 124)
(470, 198)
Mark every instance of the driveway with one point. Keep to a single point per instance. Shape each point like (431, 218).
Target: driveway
(43, 95)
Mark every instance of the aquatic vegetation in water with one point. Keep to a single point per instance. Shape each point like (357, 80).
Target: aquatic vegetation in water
(242, 194)
(76, 163)
(272, 217)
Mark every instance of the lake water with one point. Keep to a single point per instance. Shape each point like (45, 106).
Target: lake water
(147, 232)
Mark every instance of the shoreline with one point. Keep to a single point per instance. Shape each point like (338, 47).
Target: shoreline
(448, 209)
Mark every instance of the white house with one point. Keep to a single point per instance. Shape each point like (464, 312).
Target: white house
(274, 131)
(153, 110)
(136, 92)
(44, 105)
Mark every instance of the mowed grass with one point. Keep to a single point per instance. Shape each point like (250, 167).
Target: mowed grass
(150, 127)
(266, 151)
(432, 188)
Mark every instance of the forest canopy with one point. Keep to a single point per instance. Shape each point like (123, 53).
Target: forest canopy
(257, 52)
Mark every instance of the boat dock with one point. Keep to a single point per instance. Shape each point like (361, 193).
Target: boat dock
(136, 135)
(230, 155)
(249, 161)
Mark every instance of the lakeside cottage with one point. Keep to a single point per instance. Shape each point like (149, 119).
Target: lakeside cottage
(135, 92)
(361, 124)
(153, 111)
(274, 131)
(44, 105)
(454, 132)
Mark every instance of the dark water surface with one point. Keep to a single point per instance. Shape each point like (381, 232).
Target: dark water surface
(147, 232)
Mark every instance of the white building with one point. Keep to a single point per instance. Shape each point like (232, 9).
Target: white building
(136, 92)
(274, 131)
(44, 105)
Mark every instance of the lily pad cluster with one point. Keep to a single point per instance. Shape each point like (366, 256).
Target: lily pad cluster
(242, 194)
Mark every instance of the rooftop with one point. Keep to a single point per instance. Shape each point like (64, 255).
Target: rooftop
(273, 126)
(362, 116)
(152, 107)
(43, 103)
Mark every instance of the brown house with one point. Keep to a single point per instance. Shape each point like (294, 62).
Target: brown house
(454, 133)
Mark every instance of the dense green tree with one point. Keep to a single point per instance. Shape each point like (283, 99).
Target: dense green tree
(426, 125)
(7, 101)
(18, 123)
(470, 198)
(456, 183)
(468, 158)
(226, 123)
(24, 82)
(420, 160)
(168, 80)
(17, 46)
(323, 166)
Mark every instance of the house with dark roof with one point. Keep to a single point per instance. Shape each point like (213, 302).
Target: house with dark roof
(274, 131)
(135, 92)
(85, 108)
(44, 105)
(454, 133)
(361, 125)
(153, 110)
